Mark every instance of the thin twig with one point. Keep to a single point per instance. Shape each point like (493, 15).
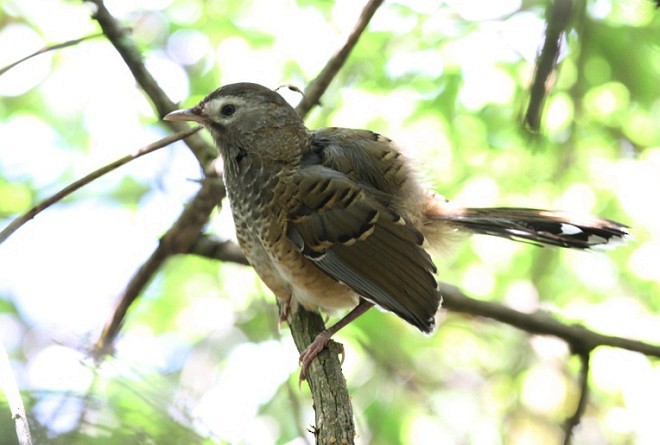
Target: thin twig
(66, 191)
(13, 395)
(47, 49)
(317, 87)
(573, 421)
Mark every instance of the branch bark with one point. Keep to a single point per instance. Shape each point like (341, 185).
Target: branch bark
(333, 411)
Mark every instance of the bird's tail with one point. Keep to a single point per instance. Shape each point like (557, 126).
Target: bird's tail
(541, 227)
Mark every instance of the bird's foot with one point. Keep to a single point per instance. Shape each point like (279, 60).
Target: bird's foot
(314, 348)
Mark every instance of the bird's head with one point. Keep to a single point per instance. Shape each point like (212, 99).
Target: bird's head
(246, 117)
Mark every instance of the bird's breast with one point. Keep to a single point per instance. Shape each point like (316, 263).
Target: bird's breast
(261, 200)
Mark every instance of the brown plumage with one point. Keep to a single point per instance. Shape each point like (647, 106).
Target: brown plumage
(332, 217)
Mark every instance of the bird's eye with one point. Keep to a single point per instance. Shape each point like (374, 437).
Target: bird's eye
(228, 110)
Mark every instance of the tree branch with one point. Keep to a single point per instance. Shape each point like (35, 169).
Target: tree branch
(332, 403)
(47, 49)
(559, 13)
(66, 191)
(210, 247)
(577, 336)
(317, 87)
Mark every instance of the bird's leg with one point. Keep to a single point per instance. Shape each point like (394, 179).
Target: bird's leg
(285, 311)
(321, 340)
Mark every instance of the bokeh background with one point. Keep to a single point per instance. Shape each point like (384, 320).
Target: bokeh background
(200, 359)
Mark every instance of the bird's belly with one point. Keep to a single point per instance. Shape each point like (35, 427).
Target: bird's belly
(293, 277)
(287, 272)
(310, 286)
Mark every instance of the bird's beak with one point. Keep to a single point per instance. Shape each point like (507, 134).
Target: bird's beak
(187, 114)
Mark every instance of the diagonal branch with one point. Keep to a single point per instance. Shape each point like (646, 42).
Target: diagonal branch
(46, 49)
(76, 185)
(333, 411)
(317, 87)
(118, 36)
(211, 247)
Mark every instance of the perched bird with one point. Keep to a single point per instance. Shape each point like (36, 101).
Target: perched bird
(336, 218)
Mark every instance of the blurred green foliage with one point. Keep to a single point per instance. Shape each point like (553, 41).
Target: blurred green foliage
(449, 82)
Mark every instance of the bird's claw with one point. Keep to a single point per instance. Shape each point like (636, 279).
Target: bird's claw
(313, 350)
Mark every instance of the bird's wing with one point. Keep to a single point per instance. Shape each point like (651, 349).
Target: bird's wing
(354, 238)
(364, 156)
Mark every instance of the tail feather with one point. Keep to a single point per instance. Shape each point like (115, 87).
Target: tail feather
(541, 227)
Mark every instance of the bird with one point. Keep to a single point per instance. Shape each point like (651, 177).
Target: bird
(337, 218)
